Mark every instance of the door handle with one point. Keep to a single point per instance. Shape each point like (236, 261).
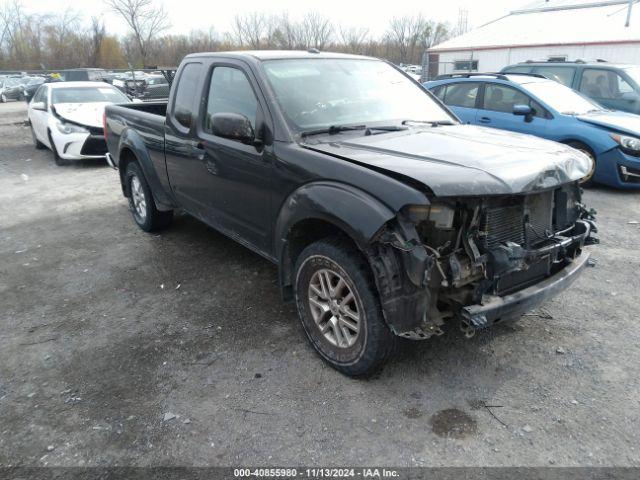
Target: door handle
(200, 151)
(485, 120)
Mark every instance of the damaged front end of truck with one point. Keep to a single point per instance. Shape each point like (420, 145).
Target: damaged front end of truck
(480, 260)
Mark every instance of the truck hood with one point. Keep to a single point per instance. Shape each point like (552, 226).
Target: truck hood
(464, 160)
(87, 114)
(619, 121)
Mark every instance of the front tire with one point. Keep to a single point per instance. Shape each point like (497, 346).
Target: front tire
(339, 309)
(141, 202)
(3, 98)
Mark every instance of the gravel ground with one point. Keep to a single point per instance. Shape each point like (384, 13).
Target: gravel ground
(123, 348)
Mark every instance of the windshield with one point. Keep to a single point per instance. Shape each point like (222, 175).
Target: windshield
(561, 98)
(36, 81)
(87, 95)
(319, 93)
(634, 73)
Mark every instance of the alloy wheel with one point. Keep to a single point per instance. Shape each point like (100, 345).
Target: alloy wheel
(138, 198)
(334, 308)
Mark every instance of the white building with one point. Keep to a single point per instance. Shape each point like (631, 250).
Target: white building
(552, 29)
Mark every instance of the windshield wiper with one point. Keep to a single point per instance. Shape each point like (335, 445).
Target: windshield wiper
(384, 128)
(433, 123)
(332, 130)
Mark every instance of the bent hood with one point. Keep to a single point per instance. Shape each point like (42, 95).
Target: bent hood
(620, 121)
(87, 114)
(464, 160)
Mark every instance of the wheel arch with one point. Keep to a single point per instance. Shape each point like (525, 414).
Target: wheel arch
(133, 149)
(320, 210)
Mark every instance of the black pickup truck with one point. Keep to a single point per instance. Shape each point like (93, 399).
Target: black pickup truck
(385, 215)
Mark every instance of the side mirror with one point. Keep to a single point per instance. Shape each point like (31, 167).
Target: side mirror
(524, 111)
(233, 126)
(630, 97)
(39, 106)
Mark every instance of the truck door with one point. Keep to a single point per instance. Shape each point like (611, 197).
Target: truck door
(225, 182)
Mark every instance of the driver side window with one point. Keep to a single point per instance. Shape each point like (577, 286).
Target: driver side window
(500, 98)
(230, 92)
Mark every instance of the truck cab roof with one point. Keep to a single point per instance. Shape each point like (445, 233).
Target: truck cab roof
(277, 55)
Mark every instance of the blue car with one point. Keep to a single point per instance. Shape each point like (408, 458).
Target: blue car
(538, 106)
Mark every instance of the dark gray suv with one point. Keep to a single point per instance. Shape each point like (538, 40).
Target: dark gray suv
(614, 86)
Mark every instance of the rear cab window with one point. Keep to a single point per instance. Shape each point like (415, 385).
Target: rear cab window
(185, 103)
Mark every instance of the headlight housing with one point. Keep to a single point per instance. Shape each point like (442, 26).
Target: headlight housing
(628, 143)
(68, 128)
(441, 215)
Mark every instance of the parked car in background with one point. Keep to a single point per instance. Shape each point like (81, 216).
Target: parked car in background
(386, 216)
(66, 117)
(532, 104)
(31, 86)
(613, 86)
(123, 80)
(83, 75)
(154, 87)
(10, 89)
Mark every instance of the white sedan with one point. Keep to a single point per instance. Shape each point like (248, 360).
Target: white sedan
(66, 117)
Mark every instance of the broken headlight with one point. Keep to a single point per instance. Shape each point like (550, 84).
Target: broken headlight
(68, 128)
(441, 215)
(631, 144)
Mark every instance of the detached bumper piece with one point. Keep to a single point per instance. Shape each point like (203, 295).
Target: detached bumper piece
(94, 145)
(495, 309)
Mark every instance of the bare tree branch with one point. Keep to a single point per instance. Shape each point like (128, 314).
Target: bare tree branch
(145, 19)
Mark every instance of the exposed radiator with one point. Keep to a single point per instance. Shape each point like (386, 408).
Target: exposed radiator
(506, 223)
(503, 224)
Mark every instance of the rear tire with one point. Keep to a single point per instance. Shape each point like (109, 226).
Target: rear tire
(61, 162)
(587, 181)
(339, 309)
(36, 143)
(141, 202)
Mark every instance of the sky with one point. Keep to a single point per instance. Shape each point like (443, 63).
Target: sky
(186, 15)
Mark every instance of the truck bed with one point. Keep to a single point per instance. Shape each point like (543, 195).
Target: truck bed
(154, 108)
(147, 119)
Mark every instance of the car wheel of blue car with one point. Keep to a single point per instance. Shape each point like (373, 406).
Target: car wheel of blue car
(587, 180)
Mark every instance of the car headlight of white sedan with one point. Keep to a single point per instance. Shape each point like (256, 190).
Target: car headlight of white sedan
(68, 128)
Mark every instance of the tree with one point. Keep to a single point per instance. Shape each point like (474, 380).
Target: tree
(316, 30)
(145, 20)
(352, 39)
(97, 33)
(249, 29)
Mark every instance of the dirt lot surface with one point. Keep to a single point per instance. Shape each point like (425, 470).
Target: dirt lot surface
(120, 347)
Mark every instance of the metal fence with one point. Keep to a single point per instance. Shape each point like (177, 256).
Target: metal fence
(432, 68)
